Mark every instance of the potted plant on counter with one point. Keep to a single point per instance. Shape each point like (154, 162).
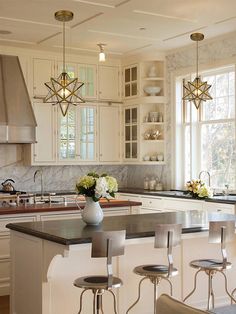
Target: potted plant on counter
(94, 186)
(198, 189)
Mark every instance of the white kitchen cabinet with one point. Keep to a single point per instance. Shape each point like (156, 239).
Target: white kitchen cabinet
(154, 203)
(131, 133)
(43, 70)
(109, 82)
(87, 73)
(213, 207)
(77, 134)
(131, 81)
(44, 150)
(109, 133)
(182, 204)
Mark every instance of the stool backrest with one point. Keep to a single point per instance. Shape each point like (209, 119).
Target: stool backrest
(101, 246)
(167, 236)
(222, 232)
(108, 244)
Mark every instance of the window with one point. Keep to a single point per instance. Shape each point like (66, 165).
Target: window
(206, 138)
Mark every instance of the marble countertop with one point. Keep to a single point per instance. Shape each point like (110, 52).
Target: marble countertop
(226, 199)
(75, 231)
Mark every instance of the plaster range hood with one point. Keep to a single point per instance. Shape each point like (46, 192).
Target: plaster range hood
(17, 120)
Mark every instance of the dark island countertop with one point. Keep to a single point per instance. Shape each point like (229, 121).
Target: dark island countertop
(226, 199)
(39, 208)
(75, 231)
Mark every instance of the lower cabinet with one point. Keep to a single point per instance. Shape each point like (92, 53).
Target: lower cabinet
(219, 207)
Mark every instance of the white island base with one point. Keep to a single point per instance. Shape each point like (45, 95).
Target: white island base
(43, 272)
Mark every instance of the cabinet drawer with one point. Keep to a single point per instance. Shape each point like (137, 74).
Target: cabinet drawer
(5, 221)
(4, 270)
(220, 207)
(154, 203)
(176, 204)
(129, 197)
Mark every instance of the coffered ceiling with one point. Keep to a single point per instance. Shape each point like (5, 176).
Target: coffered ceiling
(125, 26)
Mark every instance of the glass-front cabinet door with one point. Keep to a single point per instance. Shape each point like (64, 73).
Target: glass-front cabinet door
(131, 81)
(77, 134)
(87, 75)
(131, 133)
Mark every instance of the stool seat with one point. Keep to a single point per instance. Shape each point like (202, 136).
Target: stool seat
(97, 282)
(209, 264)
(154, 270)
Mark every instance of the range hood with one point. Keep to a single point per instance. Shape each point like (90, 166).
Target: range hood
(17, 120)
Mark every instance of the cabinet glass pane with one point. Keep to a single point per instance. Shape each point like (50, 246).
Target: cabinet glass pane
(82, 78)
(127, 150)
(127, 75)
(134, 74)
(134, 133)
(127, 90)
(87, 130)
(134, 90)
(134, 115)
(134, 150)
(127, 133)
(67, 146)
(127, 116)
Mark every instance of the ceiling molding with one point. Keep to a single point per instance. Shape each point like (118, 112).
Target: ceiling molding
(88, 19)
(99, 4)
(165, 16)
(18, 41)
(29, 22)
(186, 33)
(48, 37)
(225, 20)
(123, 35)
(89, 50)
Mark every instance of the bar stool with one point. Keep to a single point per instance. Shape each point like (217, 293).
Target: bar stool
(104, 244)
(166, 236)
(219, 232)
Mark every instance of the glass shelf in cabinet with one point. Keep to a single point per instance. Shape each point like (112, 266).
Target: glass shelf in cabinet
(155, 78)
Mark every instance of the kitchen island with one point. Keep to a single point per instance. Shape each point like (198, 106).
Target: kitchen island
(48, 256)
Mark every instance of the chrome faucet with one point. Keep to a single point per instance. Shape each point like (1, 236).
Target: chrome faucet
(41, 180)
(209, 176)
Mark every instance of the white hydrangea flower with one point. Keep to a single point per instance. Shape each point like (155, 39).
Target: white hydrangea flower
(112, 184)
(101, 187)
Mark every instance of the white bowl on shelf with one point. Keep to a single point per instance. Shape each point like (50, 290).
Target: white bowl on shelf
(152, 90)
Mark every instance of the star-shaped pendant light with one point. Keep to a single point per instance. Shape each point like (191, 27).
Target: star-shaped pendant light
(64, 90)
(196, 91)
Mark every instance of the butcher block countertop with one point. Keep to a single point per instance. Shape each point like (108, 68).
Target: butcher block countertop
(46, 207)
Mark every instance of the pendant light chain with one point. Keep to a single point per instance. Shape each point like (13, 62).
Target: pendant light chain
(64, 47)
(197, 60)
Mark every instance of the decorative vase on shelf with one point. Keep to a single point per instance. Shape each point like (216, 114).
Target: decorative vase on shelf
(92, 213)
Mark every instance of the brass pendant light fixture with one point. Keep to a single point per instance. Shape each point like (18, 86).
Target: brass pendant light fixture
(196, 91)
(64, 90)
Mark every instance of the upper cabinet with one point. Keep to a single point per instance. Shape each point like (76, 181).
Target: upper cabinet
(88, 75)
(144, 112)
(109, 133)
(43, 70)
(130, 81)
(109, 83)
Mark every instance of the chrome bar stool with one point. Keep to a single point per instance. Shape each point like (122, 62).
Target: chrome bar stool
(166, 236)
(219, 232)
(104, 244)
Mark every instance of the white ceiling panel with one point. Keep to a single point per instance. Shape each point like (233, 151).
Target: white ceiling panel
(165, 24)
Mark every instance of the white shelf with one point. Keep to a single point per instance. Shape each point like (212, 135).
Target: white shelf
(154, 141)
(146, 163)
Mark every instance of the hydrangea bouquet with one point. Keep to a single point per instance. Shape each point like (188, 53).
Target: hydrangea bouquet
(96, 186)
(198, 189)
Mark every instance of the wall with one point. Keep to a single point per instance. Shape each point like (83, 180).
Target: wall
(212, 53)
(55, 177)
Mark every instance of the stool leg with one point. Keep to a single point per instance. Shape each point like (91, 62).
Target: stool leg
(232, 293)
(155, 283)
(114, 299)
(194, 287)
(211, 297)
(226, 288)
(95, 309)
(139, 293)
(80, 300)
(102, 305)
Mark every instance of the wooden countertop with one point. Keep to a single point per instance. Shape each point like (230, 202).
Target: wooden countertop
(75, 231)
(37, 208)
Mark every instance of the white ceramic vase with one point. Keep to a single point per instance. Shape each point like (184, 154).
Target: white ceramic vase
(92, 213)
